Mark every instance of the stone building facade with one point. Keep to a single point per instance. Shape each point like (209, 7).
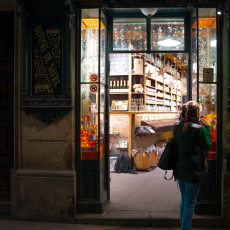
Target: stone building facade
(44, 174)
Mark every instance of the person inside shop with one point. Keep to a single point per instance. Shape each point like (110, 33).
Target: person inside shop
(192, 136)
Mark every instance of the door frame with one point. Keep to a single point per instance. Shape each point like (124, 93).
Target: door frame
(107, 117)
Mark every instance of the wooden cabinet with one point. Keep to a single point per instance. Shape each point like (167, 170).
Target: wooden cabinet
(161, 83)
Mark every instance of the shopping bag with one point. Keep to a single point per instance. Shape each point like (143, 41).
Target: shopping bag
(169, 157)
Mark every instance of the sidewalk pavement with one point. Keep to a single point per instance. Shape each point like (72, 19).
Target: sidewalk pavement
(22, 225)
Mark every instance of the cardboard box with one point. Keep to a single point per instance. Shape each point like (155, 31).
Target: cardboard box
(138, 66)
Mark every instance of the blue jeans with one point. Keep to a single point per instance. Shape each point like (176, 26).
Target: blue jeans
(189, 192)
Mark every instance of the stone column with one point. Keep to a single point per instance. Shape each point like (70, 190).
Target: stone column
(43, 181)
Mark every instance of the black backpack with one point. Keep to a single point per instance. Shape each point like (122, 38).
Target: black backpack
(169, 158)
(123, 164)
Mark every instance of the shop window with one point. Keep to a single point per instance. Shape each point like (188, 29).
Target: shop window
(207, 47)
(167, 34)
(93, 48)
(129, 34)
(194, 56)
(207, 72)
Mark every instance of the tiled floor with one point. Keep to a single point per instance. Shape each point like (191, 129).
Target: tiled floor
(144, 191)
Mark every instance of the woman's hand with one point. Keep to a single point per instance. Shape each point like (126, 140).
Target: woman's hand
(203, 122)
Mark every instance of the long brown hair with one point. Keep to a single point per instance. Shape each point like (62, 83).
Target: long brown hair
(188, 112)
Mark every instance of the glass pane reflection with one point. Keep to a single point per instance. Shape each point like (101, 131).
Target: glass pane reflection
(167, 34)
(129, 34)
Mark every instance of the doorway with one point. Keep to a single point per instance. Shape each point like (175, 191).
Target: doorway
(146, 93)
(161, 57)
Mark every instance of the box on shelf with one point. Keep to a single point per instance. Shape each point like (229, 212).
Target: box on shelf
(119, 105)
(148, 82)
(138, 66)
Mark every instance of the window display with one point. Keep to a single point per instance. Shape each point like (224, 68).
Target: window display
(93, 33)
(167, 34)
(129, 34)
(207, 72)
(157, 82)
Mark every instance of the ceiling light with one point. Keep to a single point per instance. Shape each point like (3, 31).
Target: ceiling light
(213, 43)
(169, 42)
(148, 11)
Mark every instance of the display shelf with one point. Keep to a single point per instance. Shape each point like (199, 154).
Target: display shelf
(160, 81)
(153, 81)
(150, 103)
(150, 86)
(150, 78)
(119, 93)
(159, 96)
(114, 75)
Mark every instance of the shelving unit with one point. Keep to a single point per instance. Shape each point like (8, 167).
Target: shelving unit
(158, 93)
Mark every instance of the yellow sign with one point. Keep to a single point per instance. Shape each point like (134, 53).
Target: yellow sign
(208, 74)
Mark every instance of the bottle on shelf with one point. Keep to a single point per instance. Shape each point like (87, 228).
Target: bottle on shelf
(118, 87)
(114, 87)
(127, 86)
(121, 87)
(111, 87)
(124, 87)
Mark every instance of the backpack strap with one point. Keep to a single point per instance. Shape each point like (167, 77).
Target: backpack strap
(166, 177)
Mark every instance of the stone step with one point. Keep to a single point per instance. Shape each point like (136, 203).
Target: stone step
(146, 219)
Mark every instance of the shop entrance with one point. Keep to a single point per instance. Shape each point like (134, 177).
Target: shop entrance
(134, 75)
(146, 93)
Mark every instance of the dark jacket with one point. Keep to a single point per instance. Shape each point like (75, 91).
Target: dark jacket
(190, 165)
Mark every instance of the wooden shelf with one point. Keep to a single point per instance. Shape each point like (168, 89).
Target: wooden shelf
(119, 93)
(150, 86)
(114, 75)
(159, 66)
(159, 89)
(160, 81)
(119, 112)
(153, 95)
(147, 78)
(151, 78)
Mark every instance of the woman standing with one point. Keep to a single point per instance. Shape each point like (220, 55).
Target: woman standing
(192, 138)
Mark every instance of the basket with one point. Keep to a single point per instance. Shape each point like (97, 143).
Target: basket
(154, 159)
(142, 161)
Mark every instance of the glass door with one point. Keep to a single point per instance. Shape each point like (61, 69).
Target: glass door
(93, 155)
(204, 90)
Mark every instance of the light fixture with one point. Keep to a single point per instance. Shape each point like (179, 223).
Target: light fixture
(148, 11)
(219, 9)
(169, 42)
(213, 43)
